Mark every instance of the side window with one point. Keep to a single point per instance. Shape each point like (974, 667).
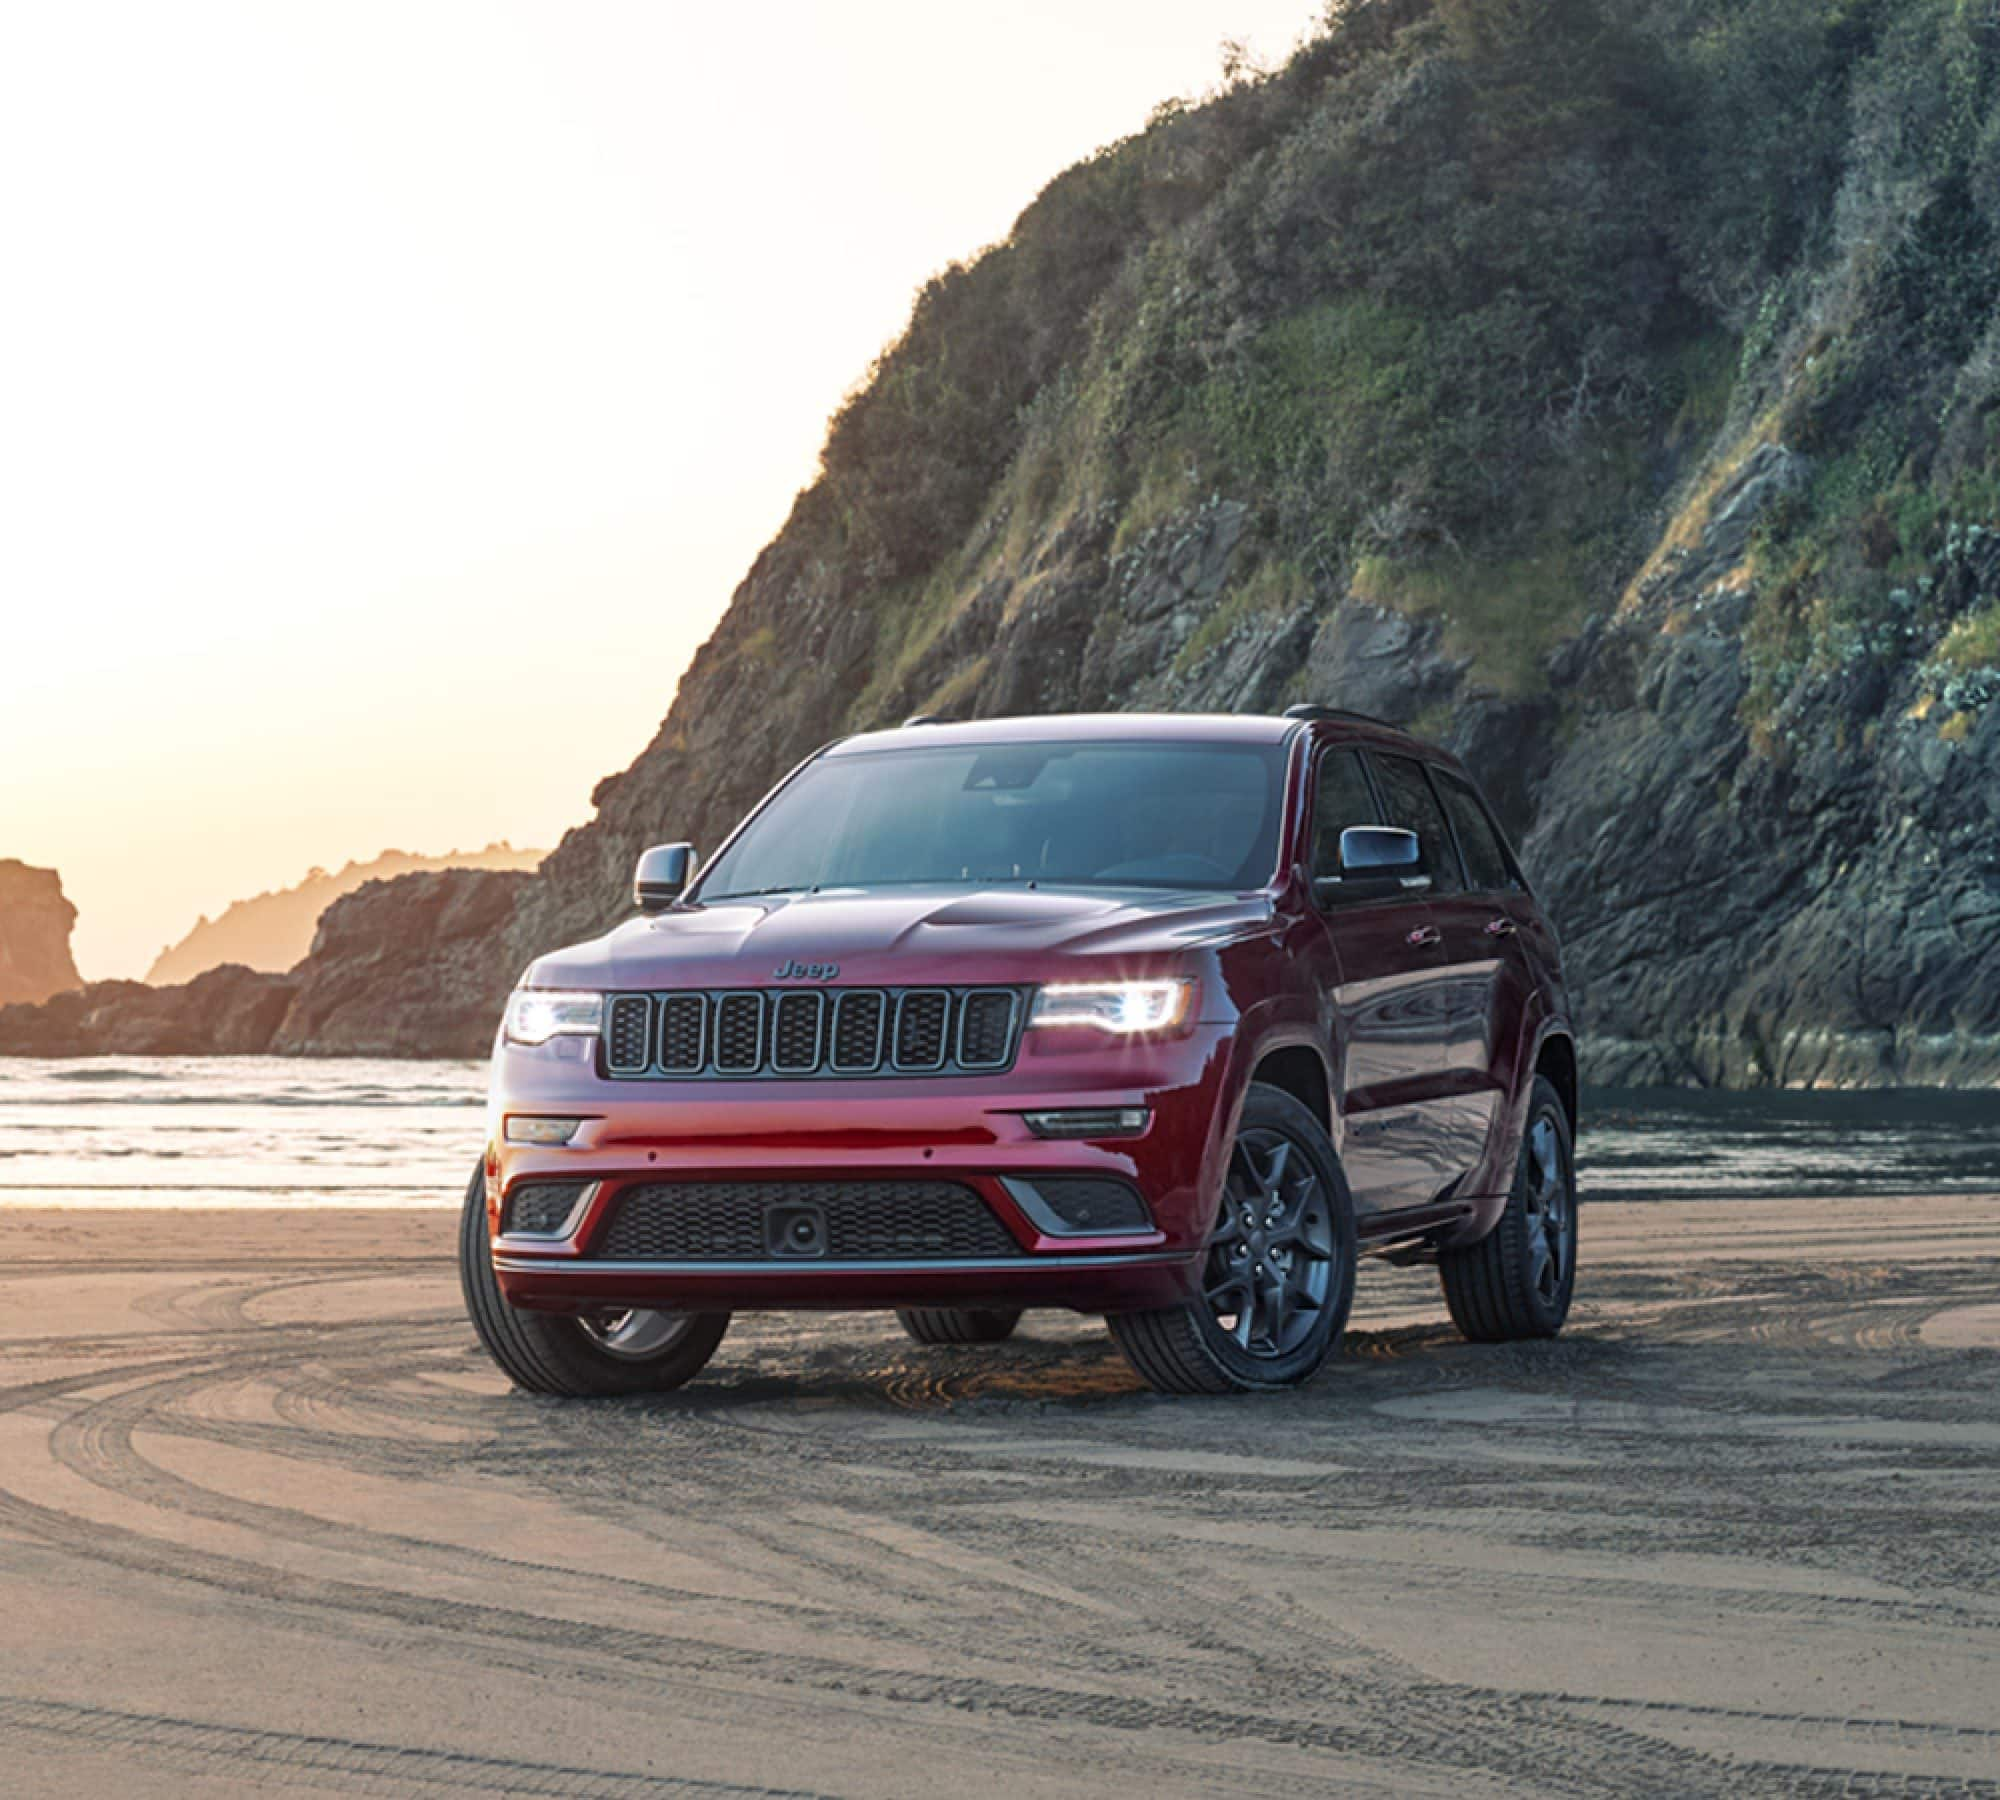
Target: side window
(1342, 799)
(1486, 866)
(1413, 807)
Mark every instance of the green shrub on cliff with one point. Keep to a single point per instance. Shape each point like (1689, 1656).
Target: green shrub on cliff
(1457, 302)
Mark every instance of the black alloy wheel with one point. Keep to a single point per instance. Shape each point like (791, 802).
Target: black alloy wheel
(1518, 1281)
(1271, 1260)
(1278, 1275)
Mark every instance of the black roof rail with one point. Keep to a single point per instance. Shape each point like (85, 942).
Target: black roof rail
(929, 719)
(1311, 711)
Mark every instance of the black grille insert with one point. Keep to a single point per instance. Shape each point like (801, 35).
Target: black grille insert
(857, 1029)
(683, 1031)
(923, 1019)
(791, 1033)
(739, 1033)
(1087, 1203)
(986, 1027)
(541, 1208)
(861, 1221)
(627, 1027)
(795, 1034)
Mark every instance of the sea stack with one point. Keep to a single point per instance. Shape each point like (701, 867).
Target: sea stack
(35, 922)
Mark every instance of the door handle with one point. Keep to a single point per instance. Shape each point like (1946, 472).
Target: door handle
(1425, 934)
(1501, 927)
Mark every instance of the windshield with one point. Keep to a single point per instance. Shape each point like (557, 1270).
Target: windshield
(1172, 815)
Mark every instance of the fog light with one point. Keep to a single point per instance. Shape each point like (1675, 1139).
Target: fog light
(1090, 1122)
(541, 1131)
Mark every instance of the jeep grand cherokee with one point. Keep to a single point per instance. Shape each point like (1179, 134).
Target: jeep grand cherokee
(1163, 1018)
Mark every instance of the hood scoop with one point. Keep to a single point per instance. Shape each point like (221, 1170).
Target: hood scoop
(1016, 909)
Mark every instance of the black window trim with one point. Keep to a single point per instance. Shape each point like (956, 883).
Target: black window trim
(1450, 830)
(1438, 777)
(1321, 751)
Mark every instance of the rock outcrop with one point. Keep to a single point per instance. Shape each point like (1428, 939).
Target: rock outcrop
(399, 968)
(275, 930)
(1820, 908)
(226, 1012)
(35, 923)
(406, 968)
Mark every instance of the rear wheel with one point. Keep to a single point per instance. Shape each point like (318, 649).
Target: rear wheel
(1278, 1278)
(617, 1350)
(1516, 1282)
(959, 1324)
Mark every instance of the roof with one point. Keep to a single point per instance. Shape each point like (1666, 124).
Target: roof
(1075, 728)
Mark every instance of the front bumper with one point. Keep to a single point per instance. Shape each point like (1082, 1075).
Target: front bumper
(964, 1129)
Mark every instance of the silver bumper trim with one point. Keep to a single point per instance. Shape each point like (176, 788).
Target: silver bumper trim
(807, 1265)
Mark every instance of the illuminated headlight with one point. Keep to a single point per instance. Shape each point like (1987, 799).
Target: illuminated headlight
(1122, 1007)
(521, 1130)
(534, 1015)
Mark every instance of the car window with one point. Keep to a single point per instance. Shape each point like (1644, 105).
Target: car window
(1342, 799)
(1486, 866)
(1092, 814)
(1413, 807)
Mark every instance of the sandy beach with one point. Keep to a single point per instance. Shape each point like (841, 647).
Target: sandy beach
(269, 1520)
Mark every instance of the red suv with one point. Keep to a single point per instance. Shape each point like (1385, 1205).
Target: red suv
(1164, 1018)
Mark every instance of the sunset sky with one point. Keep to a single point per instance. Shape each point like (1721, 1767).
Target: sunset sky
(392, 395)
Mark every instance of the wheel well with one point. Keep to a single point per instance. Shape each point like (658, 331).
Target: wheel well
(1557, 1061)
(1301, 1074)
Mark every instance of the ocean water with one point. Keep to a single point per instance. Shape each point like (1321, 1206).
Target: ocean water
(271, 1131)
(218, 1131)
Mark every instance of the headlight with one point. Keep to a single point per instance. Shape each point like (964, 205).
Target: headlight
(534, 1015)
(1123, 1007)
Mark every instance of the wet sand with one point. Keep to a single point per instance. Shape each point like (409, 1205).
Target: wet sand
(268, 1520)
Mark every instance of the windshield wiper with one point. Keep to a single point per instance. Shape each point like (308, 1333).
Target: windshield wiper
(760, 893)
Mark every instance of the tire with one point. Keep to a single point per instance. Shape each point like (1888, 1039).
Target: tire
(1297, 1305)
(959, 1324)
(551, 1353)
(1518, 1280)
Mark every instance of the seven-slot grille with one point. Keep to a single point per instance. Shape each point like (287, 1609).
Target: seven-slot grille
(738, 1033)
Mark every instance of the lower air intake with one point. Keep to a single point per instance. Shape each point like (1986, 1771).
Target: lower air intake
(863, 1221)
(541, 1208)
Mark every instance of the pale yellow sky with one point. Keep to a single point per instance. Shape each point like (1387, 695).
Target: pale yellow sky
(392, 395)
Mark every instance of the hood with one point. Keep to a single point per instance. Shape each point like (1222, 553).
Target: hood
(906, 936)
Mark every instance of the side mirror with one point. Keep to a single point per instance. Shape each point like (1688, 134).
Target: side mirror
(662, 876)
(1377, 862)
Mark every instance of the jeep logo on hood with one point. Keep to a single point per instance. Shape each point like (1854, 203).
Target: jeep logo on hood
(798, 971)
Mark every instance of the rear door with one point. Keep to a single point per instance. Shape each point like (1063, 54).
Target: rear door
(1491, 981)
(1390, 1013)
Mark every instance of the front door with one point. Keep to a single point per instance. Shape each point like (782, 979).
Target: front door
(1389, 1008)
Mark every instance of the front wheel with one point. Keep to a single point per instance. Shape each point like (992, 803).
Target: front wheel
(1278, 1277)
(1516, 1282)
(612, 1351)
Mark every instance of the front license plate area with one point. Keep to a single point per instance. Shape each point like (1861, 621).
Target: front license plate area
(795, 1231)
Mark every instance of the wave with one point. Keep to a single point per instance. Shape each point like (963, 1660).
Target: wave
(325, 1097)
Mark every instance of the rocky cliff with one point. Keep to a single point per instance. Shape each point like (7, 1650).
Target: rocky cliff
(398, 968)
(35, 922)
(1610, 392)
(275, 930)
